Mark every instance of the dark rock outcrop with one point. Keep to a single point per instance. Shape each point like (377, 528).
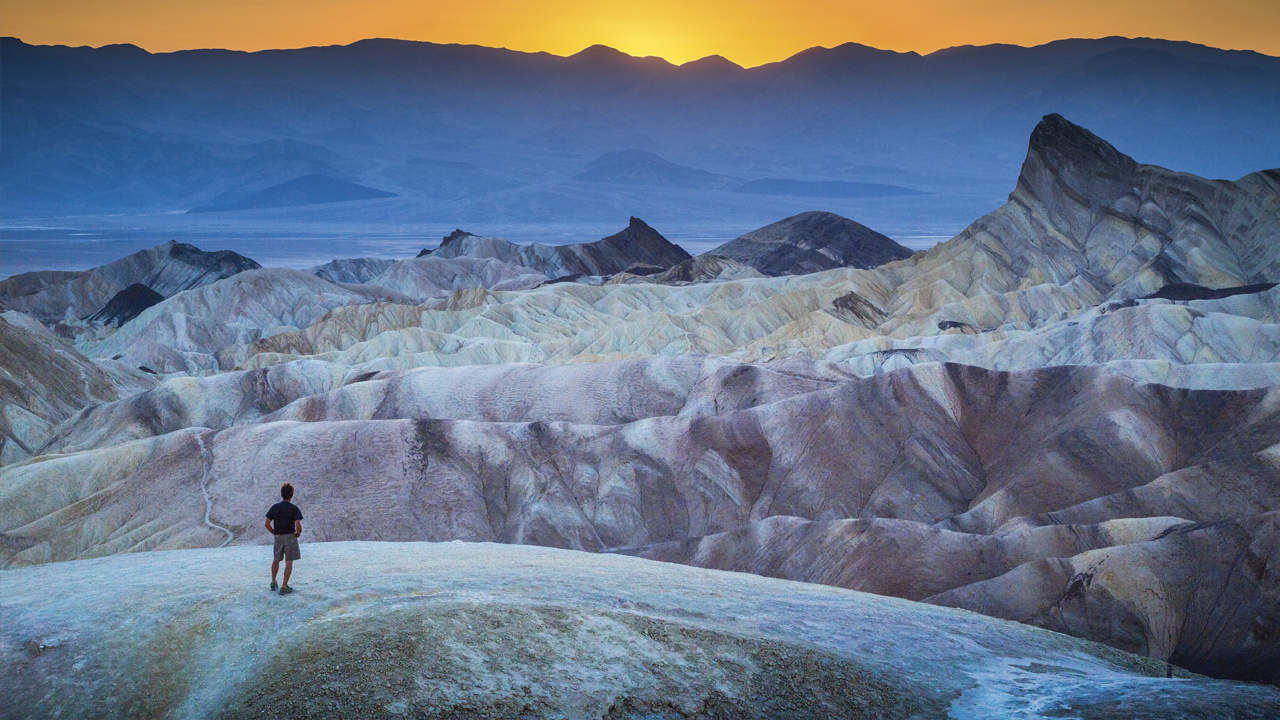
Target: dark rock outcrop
(810, 242)
(126, 305)
(1190, 291)
(452, 237)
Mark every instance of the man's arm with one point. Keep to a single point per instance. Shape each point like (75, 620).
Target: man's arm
(297, 527)
(267, 524)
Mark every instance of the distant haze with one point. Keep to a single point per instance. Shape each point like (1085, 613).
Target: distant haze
(390, 143)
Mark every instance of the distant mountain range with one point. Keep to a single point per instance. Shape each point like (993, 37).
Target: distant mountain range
(390, 131)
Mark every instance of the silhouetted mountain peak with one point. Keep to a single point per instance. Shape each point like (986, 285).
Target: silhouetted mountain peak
(846, 54)
(124, 49)
(600, 53)
(711, 63)
(604, 56)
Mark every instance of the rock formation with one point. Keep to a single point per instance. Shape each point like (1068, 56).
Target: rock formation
(1067, 415)
(699, 448)
(636, 244)
(44, 381)
(166, 269)
(126, 305)
(810, 242)
(705, 268)
(352, 270)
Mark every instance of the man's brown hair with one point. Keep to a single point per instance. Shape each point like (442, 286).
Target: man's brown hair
(286, 491)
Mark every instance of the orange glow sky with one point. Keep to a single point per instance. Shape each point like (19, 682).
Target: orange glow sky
(749, 32)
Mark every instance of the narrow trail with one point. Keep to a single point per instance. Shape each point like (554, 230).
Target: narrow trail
(207, 457)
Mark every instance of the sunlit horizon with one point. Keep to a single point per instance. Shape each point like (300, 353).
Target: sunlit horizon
(750, 34)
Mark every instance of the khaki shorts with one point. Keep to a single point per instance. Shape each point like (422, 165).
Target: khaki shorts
(287, 547)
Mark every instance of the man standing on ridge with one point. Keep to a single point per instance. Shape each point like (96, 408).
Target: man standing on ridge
(287, 519)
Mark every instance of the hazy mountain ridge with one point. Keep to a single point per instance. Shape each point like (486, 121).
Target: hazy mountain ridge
(940, 123)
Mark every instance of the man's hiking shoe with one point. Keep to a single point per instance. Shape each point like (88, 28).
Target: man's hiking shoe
(274, 586)
(286, 590)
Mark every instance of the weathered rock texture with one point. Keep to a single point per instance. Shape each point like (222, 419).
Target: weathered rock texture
(636, 244)
(166, 269)
(972, 475)
(707, 267)
(1070, 271)
(385, 630)
(1024, 421)
(44, 381)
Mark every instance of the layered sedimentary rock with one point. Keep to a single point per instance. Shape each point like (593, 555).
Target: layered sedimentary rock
(352, 270)
(425, 278)
(1042, 419)
(182, 333)
(166, 269)
(810, 242)
(636, 244)
(480, 631)
(126, 305)
(1059, 275)
(1069, 271)
(1084, 460)
(44, 381)
(707, 267)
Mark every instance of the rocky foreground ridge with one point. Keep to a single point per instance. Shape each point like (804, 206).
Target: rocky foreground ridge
(1064, 416)
(454, 630)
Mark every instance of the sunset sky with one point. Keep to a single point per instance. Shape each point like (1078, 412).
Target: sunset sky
(749, 32)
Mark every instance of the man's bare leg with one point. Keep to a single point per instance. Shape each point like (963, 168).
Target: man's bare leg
(288, 570)
(275, 567)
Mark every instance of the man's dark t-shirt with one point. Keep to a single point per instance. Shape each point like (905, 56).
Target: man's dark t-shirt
(282, 515)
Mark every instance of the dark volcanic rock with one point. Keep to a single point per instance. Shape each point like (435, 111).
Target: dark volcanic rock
(126, 305)
(217, 263)
(810, 242)
(1191, 291)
